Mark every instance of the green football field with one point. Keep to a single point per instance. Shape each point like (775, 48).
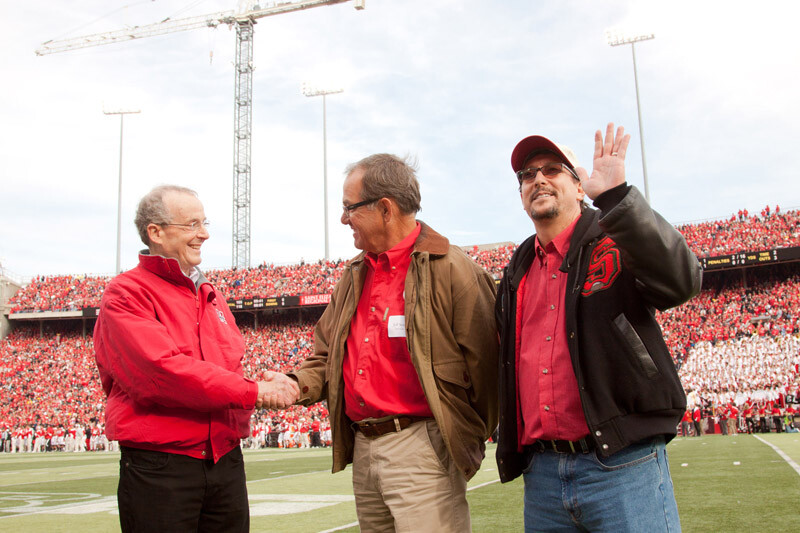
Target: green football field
(743, 483)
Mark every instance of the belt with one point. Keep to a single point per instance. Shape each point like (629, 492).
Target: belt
(561, 446)
(372, 429)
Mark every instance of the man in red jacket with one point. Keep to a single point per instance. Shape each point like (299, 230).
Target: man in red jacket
(170, 360)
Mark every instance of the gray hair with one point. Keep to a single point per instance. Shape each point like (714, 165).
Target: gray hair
(388, 176)
(152, 210)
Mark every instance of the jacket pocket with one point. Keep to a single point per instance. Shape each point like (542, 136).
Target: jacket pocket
(634, 346)
(454, 372)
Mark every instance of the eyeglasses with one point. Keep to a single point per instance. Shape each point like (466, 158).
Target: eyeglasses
(192, 226)
(550, 170)
(347, 209)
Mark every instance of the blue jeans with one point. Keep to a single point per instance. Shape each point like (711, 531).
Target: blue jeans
(628, 491)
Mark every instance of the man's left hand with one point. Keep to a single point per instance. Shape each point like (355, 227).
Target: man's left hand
(609, 162)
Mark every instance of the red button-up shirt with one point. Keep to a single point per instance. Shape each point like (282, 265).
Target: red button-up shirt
(548, 391)
(379, 378)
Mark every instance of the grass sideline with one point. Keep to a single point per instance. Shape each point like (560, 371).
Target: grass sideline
(721, 484)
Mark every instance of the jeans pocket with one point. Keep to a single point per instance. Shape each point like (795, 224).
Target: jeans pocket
(529, 459)
(633, 455)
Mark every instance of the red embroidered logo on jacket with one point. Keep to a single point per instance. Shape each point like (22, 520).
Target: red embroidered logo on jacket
(604, 267)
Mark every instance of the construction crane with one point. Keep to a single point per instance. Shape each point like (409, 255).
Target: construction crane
(243, 88)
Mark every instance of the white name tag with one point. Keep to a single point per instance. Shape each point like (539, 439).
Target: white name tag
(397, 326)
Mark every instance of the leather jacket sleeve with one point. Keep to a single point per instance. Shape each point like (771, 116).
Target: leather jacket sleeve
(667, 271)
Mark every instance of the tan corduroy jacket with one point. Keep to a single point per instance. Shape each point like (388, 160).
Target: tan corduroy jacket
(452, 339)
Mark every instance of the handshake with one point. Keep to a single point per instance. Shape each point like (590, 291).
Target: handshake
(276, 391)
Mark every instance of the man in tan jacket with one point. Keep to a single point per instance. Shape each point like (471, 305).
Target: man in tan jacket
(406, 355)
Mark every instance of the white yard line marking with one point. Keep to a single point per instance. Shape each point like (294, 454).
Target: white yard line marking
(783, 455)
(484, 484)
(340, 528)
(249, 481)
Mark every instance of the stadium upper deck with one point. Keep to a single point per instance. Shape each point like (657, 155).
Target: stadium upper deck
(771, 236)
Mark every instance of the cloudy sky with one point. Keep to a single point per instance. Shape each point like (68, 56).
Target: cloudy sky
(454, 84)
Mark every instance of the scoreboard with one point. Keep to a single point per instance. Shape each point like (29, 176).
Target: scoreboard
(743, 259)
(285, 302)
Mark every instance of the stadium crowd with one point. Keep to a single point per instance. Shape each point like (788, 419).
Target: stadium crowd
(762, 304)
(737, 344)
(492, 260)
(742, 232)
(52, 393)
(271, 280)
(59, 293)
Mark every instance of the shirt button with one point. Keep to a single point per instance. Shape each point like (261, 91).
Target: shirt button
(548, 338)
(553, 276)
(546, 407)
(552, 306)
(360, 371)
(394, 268)
(544, 371)
(361, 404)
(366, 339)
(605, 446)
(372, 309)
(203, 453)
(598, 433)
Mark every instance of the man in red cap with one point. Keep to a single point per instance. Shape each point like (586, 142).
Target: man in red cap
(589, 393)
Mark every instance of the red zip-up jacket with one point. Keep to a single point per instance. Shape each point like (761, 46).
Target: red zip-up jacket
(170, 361)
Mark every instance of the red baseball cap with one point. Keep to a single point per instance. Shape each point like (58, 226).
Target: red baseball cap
(537, 143)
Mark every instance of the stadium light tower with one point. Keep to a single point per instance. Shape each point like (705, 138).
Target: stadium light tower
(311, 90)
(617, 38)
(121, 114)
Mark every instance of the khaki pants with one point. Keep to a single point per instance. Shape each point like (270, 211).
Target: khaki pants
(407, 482)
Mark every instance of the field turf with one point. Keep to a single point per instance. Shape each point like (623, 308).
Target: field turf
(721, 483)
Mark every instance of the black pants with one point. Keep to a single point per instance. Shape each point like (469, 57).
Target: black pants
(175, 493)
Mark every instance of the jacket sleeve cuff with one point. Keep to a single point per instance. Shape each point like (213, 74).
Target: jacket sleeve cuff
(252, 394)
(608, 200)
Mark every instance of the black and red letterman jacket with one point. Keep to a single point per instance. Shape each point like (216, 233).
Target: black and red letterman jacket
(623, 262)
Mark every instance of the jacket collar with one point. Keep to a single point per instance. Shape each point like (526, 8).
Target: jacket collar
(428, 241)
(585, 230)
(169, 269)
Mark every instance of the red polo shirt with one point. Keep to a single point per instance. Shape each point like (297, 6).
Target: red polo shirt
(379, 378)
(548, 391)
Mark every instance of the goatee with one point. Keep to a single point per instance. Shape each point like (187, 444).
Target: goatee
(545, 214)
